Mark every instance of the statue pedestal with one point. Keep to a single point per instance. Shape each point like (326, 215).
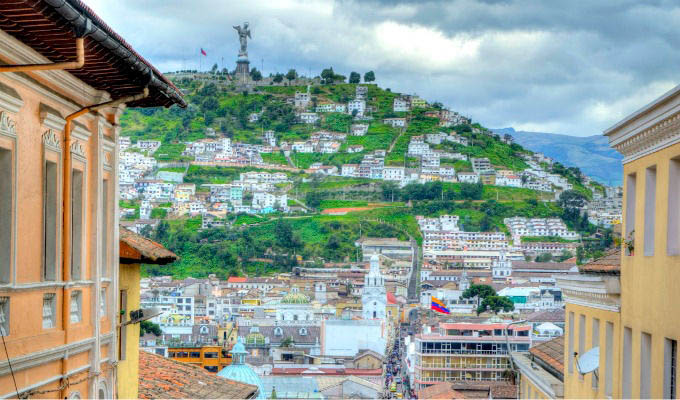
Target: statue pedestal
(243, 69)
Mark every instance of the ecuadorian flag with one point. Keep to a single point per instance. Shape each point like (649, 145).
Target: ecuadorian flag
(438, 306)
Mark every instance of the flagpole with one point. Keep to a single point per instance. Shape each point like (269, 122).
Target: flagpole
(200, 59)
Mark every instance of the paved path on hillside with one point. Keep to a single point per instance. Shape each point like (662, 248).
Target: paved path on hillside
(395, 140)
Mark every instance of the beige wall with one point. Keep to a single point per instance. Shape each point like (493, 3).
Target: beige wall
(128, 369)
(650, 283)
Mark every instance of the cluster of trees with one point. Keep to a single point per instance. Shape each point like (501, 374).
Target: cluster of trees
(488, 299)
(329, 77)
(431, 191)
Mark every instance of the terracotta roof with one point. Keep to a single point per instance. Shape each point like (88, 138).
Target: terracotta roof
(138, 249)
(440, 391)
(237, 279)
(542, 265)
(551, 353)
(163, 378)
(556, 315)
(609, 263)
(391, 299)
(111, 64)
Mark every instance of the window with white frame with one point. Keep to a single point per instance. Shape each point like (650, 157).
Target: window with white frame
(76, 307)
(76, 224)
(50, 183)
(650, 211)
(4, 316)
(6, 214)
(49, 311)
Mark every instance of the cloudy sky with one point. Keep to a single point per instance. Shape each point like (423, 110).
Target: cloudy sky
(575, 68)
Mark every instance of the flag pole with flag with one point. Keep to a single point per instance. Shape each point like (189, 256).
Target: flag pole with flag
(438, 306)
(204, 54)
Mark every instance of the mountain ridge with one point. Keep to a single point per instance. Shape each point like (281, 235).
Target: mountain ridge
(591, 154)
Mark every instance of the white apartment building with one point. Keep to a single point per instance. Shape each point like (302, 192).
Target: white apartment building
(359, 129)
(269, 137)
(521, 226)
(467, 177)
(308, 117)
(361, 92)
(302, 99)
(390, 173)
(303, 147)
(481, 164)
(349, 170)
(508, 180)
(124, 142)
(263, 200)
(357, 104)
(401, 105)
(442, 223)
(395, 122)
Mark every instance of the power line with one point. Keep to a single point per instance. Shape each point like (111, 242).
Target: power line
(2, 333)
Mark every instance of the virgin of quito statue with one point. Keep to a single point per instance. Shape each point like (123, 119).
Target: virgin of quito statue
(242, 63)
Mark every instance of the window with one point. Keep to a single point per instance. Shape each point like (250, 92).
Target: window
(581, 338)
(630, 205)
(303, 331)
(50, 208)
(122, 340)
(277, 332)
(76, 307)
(596, 342)
(608, 359)
(210, 355)
(76, 224)
(105, 229)
(49, 311)
(650, 210)
(673, 238)
(102, 303)
(645, 365)
(180, 300)
(571, 342)
(6, 210)
(4, 316)
(627, 363)
(670, 368)
(195, 354)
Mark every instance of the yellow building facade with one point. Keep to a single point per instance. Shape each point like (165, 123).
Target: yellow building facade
(645, 326)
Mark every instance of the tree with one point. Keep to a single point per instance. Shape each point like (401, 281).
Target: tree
(291, 75)
(369, 76)
(313, 199)
(479, 291)
(149, 327)
(572, 199)
(545, 257)
(287, 342)
(255, 74)
(214, 68)
(496, 304)
(354, 77)
(327, 76)
(278, 78)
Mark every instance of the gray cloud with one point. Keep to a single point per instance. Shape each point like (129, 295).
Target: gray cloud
(572, 67)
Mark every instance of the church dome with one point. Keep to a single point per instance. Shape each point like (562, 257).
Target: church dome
(295, 298)
(240, 372)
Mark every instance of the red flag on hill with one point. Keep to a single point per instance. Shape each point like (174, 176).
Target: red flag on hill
(203, 52)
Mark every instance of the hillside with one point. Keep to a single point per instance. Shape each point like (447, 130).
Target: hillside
(591, 154)
(264, 244)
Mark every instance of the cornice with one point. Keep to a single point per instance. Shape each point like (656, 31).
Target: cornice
(51, 119)
(10, 99)
(650, 140)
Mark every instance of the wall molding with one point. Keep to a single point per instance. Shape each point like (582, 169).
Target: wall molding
(51, 140)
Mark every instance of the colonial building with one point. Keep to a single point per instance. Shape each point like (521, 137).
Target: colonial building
(374, 298)
(65, 79)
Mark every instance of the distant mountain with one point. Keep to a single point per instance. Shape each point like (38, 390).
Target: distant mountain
(591, 154)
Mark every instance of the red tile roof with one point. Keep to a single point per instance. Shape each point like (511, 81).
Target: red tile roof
(163, 378)
(135, 248)
(551, 353)
(391, 299)
(440, 391)
(609, 263)
(237, 279)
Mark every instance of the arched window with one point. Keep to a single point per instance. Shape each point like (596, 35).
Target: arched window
(278, 331)
(295, 317)
(374, 314)
(303, 331)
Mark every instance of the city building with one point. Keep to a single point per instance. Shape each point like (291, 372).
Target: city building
(465, 351)
(541, 370)
(59, 275)
(374, 296)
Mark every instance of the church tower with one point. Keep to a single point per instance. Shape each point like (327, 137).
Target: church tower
(501, 268)
(374, 297)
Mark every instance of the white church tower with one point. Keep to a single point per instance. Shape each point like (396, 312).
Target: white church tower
(502, 268)
(374, 298)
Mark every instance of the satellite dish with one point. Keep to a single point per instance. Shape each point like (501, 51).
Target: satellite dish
(589, 361)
